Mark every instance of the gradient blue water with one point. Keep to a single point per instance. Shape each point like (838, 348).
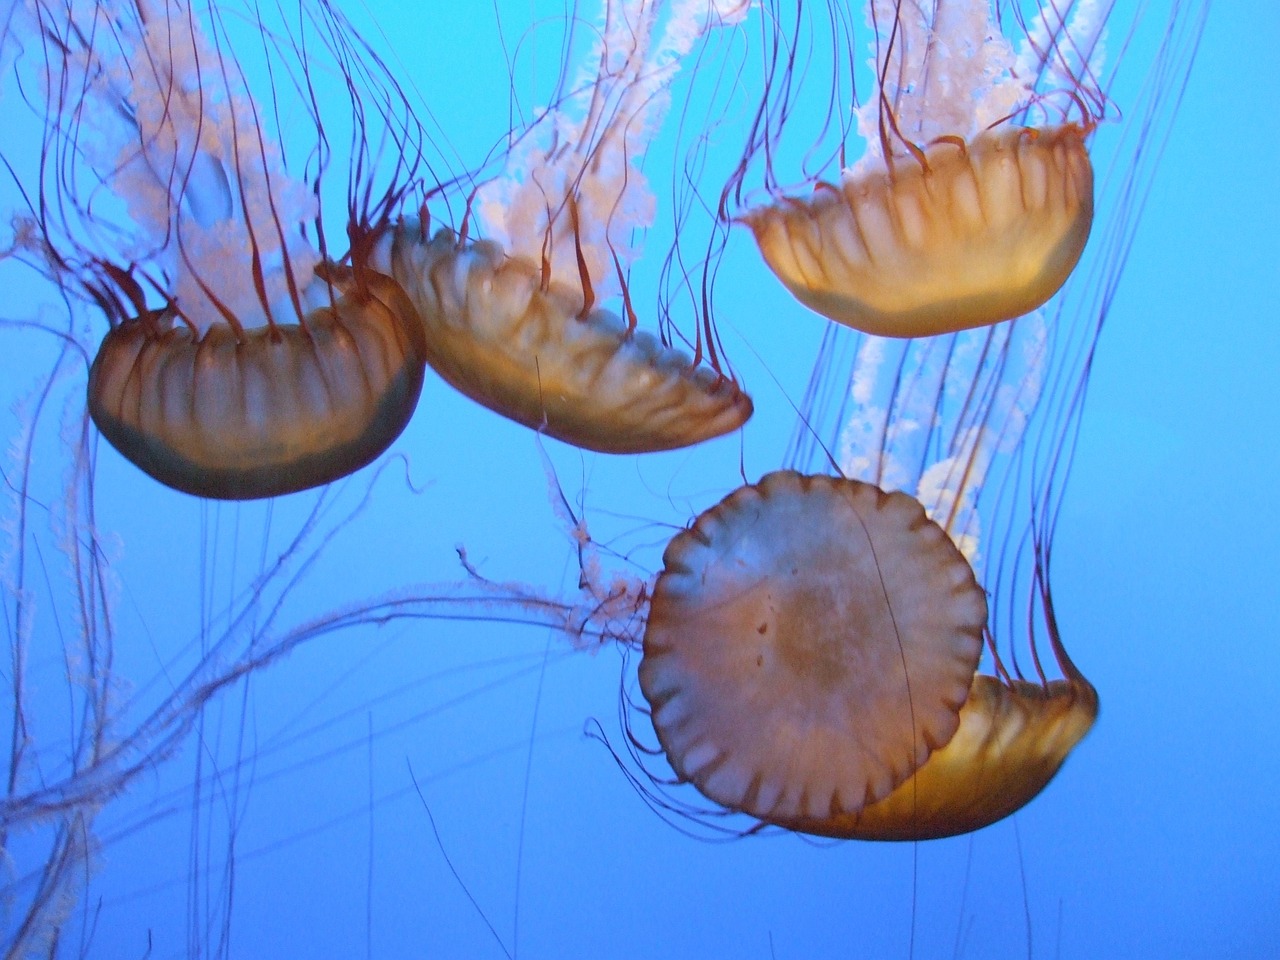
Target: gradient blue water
(1159, 838)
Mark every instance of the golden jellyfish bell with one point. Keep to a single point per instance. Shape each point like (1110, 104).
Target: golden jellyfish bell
(495, 333)
(967, 234)
(269, 368)
(973, 200)
(1013, 738)
(810, 660)
(272, 410)
(809, 644)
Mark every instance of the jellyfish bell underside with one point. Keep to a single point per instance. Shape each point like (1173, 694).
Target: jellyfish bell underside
(523, 348)
(965, 235)
(810, 661)
(810, 642)
(278, 409)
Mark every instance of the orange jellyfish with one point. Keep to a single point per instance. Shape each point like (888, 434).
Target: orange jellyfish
(811, 648)
(974, 198)
(513, 321)
(266, 367)
(809, 645)
(810, 659)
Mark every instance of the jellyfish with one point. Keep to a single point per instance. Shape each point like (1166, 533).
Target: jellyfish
(809, 659)
(513, 320)
(974, 198)
(809, 644)
(241, 360)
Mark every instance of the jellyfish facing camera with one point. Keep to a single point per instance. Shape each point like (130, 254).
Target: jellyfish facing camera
(269, 368)
(810, 643)
(810, 660)
(974, 200)
(512, 321)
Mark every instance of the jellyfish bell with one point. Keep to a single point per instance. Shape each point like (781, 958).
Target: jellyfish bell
(513, 321)
(537, 355)
(809, 645)
(965, 234)
(269, 367)
(268, 410)
(974, 200)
